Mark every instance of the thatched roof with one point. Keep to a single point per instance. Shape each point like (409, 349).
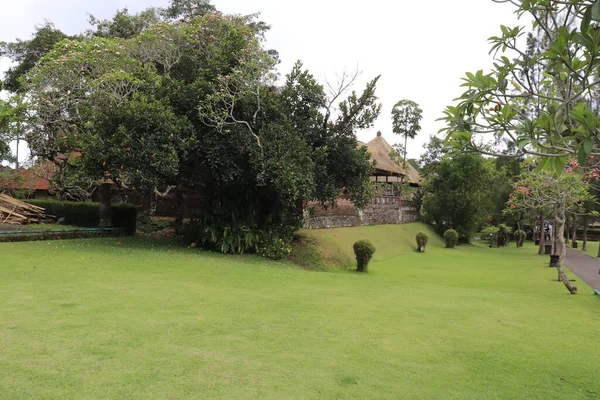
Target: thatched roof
(380, 151)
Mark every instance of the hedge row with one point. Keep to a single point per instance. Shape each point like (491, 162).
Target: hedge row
(85, 214)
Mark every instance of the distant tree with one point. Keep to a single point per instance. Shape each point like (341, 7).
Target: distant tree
(457, 193)
(432, 156)
(406, 119)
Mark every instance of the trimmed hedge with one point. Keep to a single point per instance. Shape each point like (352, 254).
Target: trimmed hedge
(422, 240)
(86, 214)
(451, 238)
(363, 250)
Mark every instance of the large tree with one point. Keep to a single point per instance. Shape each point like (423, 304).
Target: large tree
(190, 104)
(457, 193)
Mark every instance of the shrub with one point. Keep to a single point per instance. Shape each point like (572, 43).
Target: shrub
(520, 236)
(86, 214)
(490, 233)
(273, 247)
(451, 238)
(148, 224)
(363, 250)
(422, 240)
(504, 233)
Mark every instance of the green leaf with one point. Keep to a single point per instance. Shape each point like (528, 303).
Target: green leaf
(581, 155)
(588, 145)
(595, 11)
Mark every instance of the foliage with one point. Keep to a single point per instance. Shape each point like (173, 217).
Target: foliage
(490, 233)
(422, 240)
(551, 193)
(457, 193)
(147, 224)
(27, 53)
(451, 238)
(185, 98)
(363, 250)
(86, 214)
(406, 119)
(541, 98)
(273, 246)
(520, 236)
(504, 234)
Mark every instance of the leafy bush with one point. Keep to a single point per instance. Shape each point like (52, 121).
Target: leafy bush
(274, 247)
(520, 236)
(422, 240)
(451, 238)
(363, 250)
(145, 223)
(490, 233)
(504, 233)
(86, 214)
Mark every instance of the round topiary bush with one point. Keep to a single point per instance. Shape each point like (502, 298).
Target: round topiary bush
(422, 240)
(451, 238)
(363, 250)
(520, 236)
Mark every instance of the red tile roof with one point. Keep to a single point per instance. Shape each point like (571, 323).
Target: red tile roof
(26, 178)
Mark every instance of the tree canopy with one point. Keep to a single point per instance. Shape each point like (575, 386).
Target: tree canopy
(186, 99)
(541, 94)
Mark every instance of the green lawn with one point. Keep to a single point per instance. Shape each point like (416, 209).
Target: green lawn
(592, 247)
(132, 318)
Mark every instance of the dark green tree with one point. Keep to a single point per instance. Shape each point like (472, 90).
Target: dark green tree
(457, 194)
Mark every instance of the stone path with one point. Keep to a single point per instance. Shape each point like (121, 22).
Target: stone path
(585, 267)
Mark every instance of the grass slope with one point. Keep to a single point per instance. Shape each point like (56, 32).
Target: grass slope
(331, 249)
(135, 318)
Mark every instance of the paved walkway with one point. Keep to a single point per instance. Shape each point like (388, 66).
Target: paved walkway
(585, 267)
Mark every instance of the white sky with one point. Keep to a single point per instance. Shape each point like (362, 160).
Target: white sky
(420, 49)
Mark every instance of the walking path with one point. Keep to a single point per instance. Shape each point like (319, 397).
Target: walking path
(587, 268)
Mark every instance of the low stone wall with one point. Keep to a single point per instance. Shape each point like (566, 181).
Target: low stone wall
(382, 210)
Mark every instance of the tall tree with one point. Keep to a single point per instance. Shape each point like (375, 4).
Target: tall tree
(191, 105)
(406, 120)
(457, 193)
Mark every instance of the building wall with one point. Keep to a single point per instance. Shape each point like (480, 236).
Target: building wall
(382, 210)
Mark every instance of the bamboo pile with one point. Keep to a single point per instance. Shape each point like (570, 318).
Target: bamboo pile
(16, 212)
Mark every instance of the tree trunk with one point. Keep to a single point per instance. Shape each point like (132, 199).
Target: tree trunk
(574, 229)
(541, 249)
(179, 211)
(405, 143)
(562, 252)
(585, 229)
(568, 229)
(152, 209)
(105, 209)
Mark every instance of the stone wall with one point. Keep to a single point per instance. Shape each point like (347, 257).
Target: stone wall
(382, 210)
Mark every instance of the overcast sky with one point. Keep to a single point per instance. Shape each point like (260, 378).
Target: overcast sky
(421, 49)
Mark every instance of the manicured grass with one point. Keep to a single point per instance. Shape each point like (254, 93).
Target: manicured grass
(592, 247)
(136, 318)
